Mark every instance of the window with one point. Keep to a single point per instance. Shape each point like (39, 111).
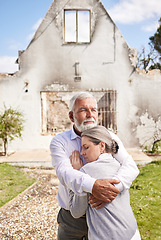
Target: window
(107, 110)
(77, 26)
(54, 110)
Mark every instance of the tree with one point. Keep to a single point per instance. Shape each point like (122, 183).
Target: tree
(151, 59)
(156, 39)
(11, 126)
(156, 43)
(147, 59)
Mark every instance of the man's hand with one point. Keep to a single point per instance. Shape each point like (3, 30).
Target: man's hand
(104, 190)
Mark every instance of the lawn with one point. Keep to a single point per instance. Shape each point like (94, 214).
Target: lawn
(145, 194)
(12, 182)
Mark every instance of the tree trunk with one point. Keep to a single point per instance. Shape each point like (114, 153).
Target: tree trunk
(5, 147)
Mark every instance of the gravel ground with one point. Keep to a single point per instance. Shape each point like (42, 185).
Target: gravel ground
(32, 214)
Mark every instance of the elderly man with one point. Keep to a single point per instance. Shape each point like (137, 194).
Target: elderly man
(83, 114)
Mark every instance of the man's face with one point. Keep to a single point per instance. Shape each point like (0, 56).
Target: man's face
(85, 114)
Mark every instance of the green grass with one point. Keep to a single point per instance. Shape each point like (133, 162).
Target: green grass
(12, 182)
(145, 195)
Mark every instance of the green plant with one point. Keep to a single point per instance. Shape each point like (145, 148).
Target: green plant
(154, 148)
(12, 182)
(145, 199)
(11, 126)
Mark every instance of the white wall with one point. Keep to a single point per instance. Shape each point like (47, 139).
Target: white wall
(105, 63)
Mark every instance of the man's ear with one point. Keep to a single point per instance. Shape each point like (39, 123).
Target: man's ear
(71, 116)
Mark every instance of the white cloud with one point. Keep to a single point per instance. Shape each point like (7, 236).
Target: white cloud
(30, 36)
(37, 24)
(151, 27)
(7, 64)
(14, 46)
(34, 29)
(135, 11)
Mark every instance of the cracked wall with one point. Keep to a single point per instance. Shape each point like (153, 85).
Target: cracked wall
(148, 130)
(107, 63)
(146, 114)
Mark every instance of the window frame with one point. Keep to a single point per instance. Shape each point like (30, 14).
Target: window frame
(107, 110)
(77, 27)
(107, 113)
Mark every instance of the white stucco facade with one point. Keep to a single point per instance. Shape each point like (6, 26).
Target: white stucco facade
(106, 63)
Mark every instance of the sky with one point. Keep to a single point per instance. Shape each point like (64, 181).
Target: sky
(137, 20)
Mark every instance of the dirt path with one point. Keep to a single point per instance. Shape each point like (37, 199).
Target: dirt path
(32, 214)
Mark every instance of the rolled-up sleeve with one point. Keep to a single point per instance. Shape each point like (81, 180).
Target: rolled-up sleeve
(77, 204)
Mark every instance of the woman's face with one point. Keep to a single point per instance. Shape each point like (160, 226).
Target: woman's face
(90, 151)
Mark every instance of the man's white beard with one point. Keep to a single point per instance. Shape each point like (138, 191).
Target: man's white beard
(82, 127)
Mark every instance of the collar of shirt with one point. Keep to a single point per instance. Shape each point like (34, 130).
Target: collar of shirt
(105, 156)
(74, 135)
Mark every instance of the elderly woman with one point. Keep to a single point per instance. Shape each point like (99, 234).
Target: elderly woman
(115, 220)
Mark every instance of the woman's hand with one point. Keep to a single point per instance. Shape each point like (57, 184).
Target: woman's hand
(75, 160)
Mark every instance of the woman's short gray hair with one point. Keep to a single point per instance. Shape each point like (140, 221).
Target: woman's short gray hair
(99, 134)
(80, 95)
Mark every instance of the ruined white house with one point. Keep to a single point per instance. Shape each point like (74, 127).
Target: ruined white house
(78, 47)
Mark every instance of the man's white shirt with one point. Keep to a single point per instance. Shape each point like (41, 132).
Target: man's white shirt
(62, 146)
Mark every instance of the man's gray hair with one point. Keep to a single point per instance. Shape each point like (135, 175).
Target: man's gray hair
(80, 95)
